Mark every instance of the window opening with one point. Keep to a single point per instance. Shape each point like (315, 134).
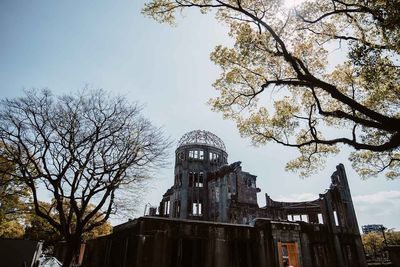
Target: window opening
(197, 209)
(196, 179)
(196, 154)
(336, 218)
(214, 157)
(199, 179)
(320, 218)
(304, 218)
(217, 194)
(201, 154)
(166, 207)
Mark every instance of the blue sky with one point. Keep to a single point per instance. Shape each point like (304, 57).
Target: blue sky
(67, 45)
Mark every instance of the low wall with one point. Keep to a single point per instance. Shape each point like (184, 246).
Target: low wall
(17, 253)
(394, 254)
(162, 242)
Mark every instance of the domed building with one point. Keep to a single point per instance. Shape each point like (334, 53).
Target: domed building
(198, 155)
(207, 188)
(210, 217)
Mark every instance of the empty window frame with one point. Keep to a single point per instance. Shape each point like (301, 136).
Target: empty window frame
(336, 218)
(166, 207)
(304, 218)
(196, 179)
(320, 218)
(213, 157)
(297, 217)
(216, 194)
(199, 180)
(196, 154)
(197, 209)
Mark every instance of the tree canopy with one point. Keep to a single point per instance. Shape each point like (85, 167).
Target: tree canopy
(375, 242)
(318, 106)
(38, 228)
(14, 202)
(82, 149)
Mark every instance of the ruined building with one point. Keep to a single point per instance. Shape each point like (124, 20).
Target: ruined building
(210, 217)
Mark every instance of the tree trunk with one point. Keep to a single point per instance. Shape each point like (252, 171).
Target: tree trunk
(72, 250)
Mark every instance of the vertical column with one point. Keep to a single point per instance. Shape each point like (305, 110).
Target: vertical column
(221, 250)
(329, 221)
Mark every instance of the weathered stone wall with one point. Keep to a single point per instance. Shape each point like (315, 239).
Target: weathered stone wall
(160, 242)
(319, 232)
(394, 253)
(164, 242)
(17, 252)
(191, 161)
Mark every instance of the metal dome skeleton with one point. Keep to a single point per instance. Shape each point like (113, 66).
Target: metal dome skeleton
(201, 137)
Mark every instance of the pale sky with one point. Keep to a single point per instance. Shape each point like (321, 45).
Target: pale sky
(66, 45)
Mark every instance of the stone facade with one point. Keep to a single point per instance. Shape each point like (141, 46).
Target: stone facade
(227, 194)
(210, 217)
(164, 242)
(199, 153)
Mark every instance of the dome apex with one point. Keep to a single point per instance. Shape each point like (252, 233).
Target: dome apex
(201, 137)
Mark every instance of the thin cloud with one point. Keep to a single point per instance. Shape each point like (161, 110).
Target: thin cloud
(297, 197)
(381, 197)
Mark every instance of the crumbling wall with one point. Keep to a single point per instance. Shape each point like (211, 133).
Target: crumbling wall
(161, 242)
(164, 242)
(328, 233)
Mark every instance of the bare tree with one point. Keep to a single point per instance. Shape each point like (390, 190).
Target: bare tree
(82, 149)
